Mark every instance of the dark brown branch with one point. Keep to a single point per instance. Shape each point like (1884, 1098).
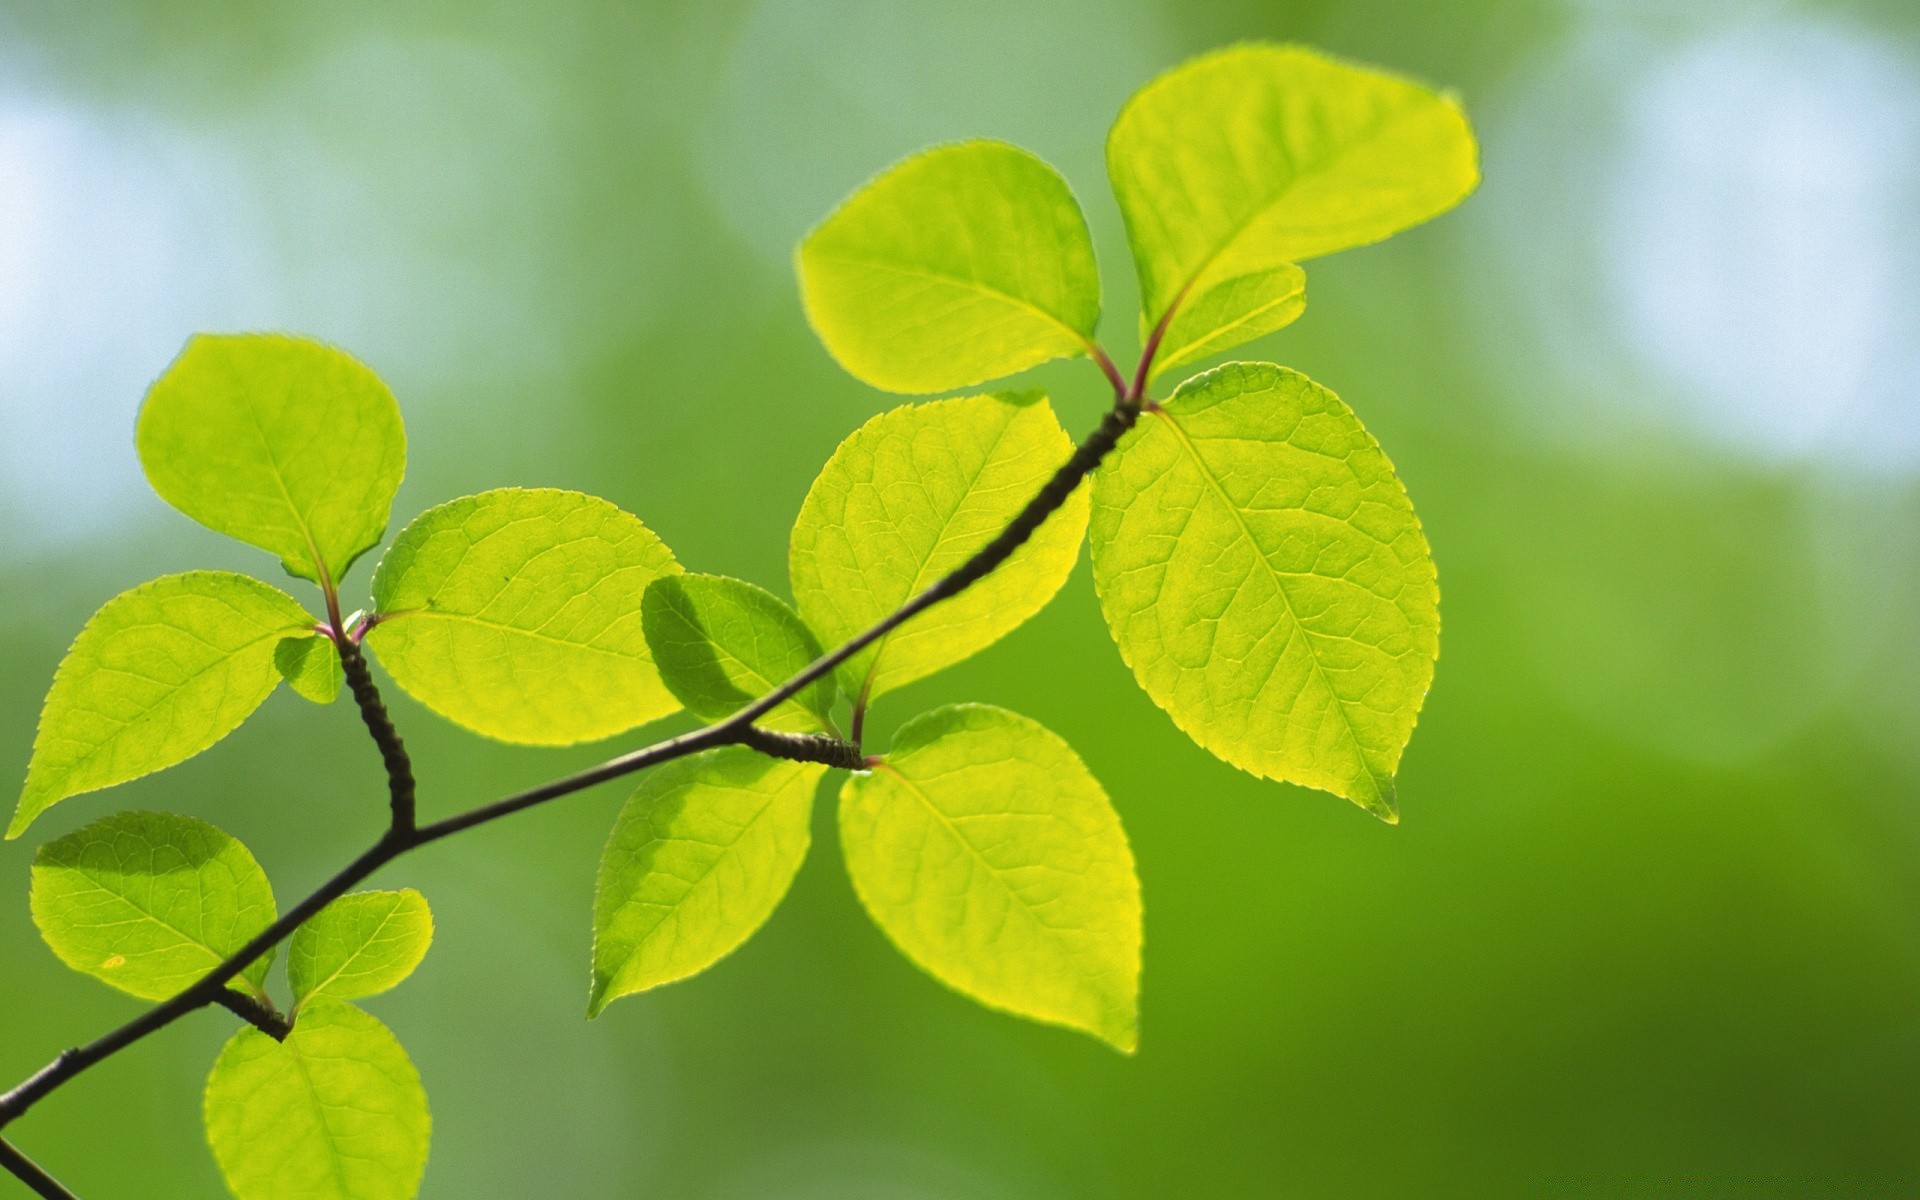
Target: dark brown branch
(261, 1016)
(373, 711)
(29, 1172)
(803, 747)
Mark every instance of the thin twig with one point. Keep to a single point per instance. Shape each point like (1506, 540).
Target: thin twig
(29, 1172)
(260, 1015)
(373, 712)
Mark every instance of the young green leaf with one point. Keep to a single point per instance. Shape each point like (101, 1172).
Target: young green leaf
(516, 613)
(1233, 166)
(310, 663)
(909, 497)
(335, 1112)
(150, 902)
(699, 859)
(722, 643)
(991, 856)
(159, 674)
(960, 264)
(1267, 580)
(283, 443)
(1230, 312)
(360, 945)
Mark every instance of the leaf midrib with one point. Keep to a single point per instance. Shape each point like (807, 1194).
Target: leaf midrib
(1279, 587)
(1315, 171)
(319, 989)
(953, 831)
(172, 697)
(962, 282)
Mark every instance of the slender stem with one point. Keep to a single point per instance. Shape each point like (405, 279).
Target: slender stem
(739, 729)
(803, 747)
(30, 1173)
(1105, 363)
(373, 711)
(259, 1014)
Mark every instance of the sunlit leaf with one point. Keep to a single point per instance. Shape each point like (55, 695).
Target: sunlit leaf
(961, 264)
(1231, 312)
(336, 1112)
(909, 497)
(1266, 579)
(1235, 165)
(157, 675)
(516, 613)
(150, 902)
(360, 945)
(283, 443)
(722, 643)
(993, 859)
(310, 664)
(699, 859)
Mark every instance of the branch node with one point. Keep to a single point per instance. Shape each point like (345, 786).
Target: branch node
(393, 751)
(802, 747)
(259, 1014)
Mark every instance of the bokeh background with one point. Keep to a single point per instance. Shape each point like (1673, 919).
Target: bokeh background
(1651, 924)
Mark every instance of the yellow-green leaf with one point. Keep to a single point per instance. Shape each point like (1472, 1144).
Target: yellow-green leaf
(360, 945)
(150, 902)
(1265, 577)
(699, 859)
(283, 443)
(336, 1112)
(723, 643)
(310, 663)
(991, 856)
(516, 613)
(1230, 312)
(909, 497)
(1235, 165)
(961, 264)
(159, 674)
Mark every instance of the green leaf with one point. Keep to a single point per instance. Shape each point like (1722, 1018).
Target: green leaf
(721, 644)
(1267, 580)
(1231, 312)
(150, 902)
(1235, 165)
(283, 443)
(336, 1112)
(310, 663)
(699, 859)
(159, 674)
(990, 855)
(958, 265)
(516, 613)
(909, 497)
(360, 945)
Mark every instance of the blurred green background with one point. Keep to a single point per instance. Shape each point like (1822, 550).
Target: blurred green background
(1651, 923)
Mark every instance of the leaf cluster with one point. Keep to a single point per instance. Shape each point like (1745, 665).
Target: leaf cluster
(1256, 558)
